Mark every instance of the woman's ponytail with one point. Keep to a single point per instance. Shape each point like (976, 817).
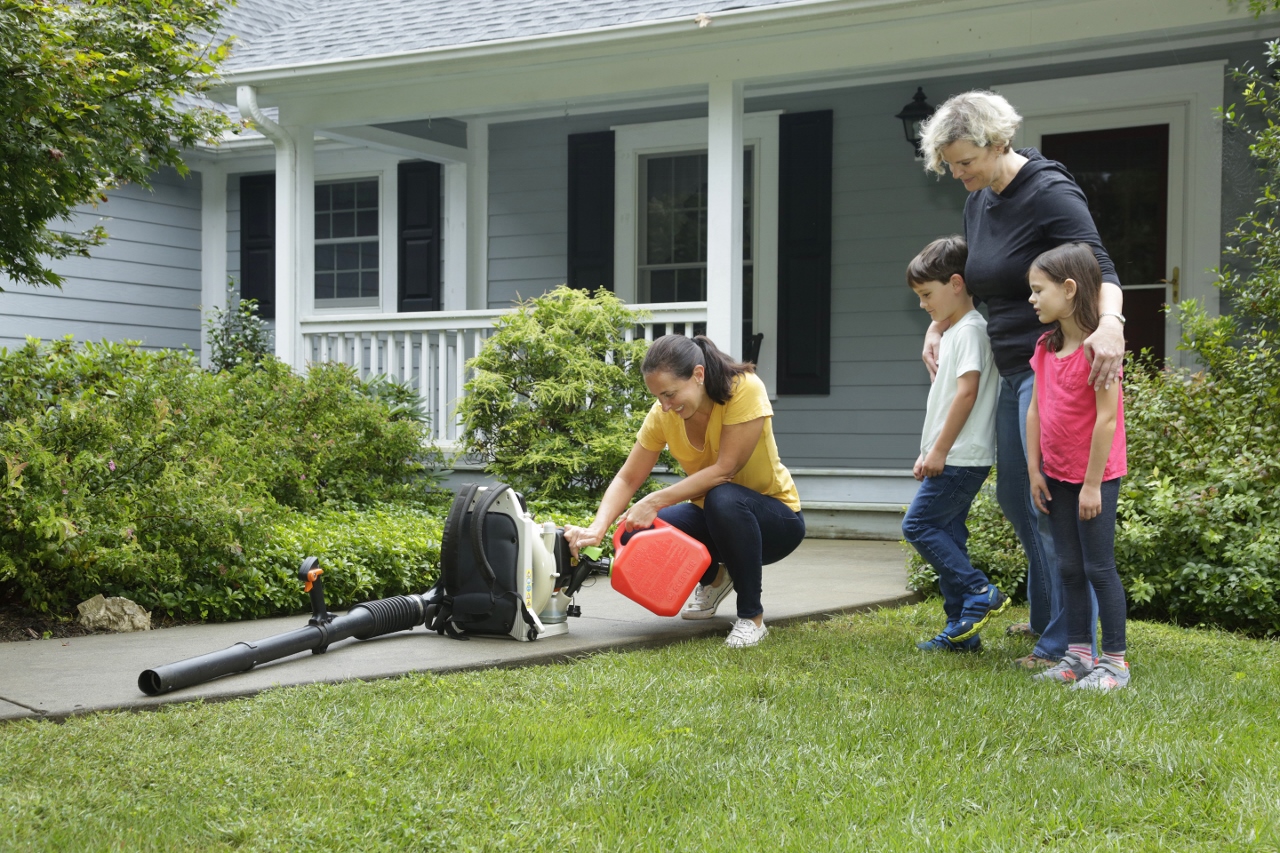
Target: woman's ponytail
(678, 355)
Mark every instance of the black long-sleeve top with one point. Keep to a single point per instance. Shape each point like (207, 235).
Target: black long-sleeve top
(1042, 207)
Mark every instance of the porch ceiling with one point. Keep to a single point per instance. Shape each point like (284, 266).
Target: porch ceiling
(767, 47)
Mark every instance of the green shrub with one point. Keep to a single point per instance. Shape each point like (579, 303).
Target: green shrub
(557, 395)
(236, 334)
(136, 473)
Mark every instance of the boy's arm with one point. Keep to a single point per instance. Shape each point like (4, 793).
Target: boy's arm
(1039, 488)
(1104, 433)
(957, 415)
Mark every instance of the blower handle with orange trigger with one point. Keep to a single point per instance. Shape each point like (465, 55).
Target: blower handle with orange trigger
(310, 575)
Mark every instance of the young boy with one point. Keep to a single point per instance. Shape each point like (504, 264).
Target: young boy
(957, 447)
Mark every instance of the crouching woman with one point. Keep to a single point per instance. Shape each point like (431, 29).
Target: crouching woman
(738, 499)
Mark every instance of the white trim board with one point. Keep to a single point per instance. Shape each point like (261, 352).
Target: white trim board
(759, 130)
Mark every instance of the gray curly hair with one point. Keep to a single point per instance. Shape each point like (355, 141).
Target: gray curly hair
(980, 117)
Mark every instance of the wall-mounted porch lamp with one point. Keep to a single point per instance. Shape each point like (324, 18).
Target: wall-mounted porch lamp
(913, 115)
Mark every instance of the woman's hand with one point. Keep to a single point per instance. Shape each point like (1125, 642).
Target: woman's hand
(932, 343)
(578, 538)
(642, 513)
(1105, 350)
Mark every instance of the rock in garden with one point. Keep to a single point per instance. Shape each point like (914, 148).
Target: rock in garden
(113, 614)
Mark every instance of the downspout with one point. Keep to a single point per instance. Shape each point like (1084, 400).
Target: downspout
(287, 249)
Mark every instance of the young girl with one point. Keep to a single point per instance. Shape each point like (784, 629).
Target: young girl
(1075, 458)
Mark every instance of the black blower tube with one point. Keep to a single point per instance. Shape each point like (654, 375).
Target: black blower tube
(363, 621)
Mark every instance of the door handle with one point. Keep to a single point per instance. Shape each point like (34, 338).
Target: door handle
(1177, 288)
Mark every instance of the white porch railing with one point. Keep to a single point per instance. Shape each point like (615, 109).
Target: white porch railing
(429, 350)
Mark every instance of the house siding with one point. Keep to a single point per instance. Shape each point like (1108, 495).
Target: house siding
(885, 209)
(143, 284)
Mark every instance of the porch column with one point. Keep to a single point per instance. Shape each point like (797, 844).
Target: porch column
(477, 223)
(213, 248)
(302, 287)
(724, 216)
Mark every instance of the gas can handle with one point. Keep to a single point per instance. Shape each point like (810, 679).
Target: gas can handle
(621, 528)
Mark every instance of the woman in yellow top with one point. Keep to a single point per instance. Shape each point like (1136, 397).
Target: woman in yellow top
(738, 498)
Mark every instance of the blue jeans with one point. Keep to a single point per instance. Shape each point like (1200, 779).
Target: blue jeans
(935, 526)
(744, 530)
(1034, 529)
(1087, 562)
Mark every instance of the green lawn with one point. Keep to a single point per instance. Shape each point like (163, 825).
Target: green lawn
(830, 736)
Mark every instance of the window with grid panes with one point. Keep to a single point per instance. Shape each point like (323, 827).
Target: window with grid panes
(346, 243)
(673, 239)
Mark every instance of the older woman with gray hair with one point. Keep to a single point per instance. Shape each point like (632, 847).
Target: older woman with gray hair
(1020, 204)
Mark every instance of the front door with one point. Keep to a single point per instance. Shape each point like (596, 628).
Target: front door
(1124, 173)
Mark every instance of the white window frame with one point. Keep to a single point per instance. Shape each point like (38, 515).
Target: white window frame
(760, 132)
(1184, 97)
(363, 302)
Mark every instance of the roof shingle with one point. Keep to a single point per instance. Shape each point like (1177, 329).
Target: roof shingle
(272, 33)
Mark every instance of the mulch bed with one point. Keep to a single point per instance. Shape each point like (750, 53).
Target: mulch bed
(15, 625)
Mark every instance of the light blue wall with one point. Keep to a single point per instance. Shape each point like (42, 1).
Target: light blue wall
(885, 209)
(142, 284)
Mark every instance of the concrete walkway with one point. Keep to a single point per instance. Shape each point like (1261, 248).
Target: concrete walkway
(61, 678)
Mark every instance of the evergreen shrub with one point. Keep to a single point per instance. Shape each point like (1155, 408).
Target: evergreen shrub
(557, 396)
(135, 473)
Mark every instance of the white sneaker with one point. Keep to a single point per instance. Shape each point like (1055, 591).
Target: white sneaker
(705, 599)
(746, 633)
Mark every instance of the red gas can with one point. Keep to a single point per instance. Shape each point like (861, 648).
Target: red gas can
(658, 567)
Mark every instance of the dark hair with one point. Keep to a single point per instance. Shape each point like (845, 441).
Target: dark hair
(678, 355)
(1075, 261)
(938, 261)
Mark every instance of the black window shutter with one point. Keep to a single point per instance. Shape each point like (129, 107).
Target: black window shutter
(804, 253)
(258, 241)
(591, 210)
(419, 237)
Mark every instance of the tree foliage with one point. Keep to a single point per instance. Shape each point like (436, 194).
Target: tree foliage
(557, 395)
(93, 95)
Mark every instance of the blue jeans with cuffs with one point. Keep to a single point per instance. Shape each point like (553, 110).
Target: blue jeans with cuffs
(935, 526)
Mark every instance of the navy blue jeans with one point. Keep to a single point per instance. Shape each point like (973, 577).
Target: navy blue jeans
(744, 530)
(1033, 528)
(1087, 561)
(935, 526)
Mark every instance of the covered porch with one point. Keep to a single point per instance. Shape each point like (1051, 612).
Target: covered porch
(506, 168)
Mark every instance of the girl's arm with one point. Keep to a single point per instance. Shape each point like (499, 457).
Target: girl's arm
(1039, 488)
(1104, 433)
(625, 483)
(737, 443)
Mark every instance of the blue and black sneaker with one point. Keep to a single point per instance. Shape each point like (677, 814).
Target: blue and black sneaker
(978, 610)
(944, 643)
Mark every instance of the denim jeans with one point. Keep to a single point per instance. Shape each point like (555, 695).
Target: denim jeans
(1087, 561)
(744, 530)
(1034, 529)
(935, 526)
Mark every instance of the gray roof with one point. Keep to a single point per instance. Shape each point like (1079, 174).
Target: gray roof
(291, 32)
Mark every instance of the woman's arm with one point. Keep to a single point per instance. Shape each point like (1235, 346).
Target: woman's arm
(1104, 433)
(1039, 488)
(625, 483)
(1105, 347)
(932, 343)
(737, 443)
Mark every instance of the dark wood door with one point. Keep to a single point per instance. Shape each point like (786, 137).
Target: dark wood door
(1124, 173)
